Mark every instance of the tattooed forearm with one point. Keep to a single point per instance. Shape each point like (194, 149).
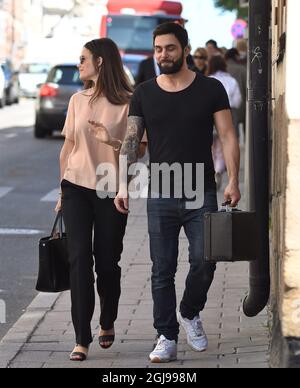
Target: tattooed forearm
(135, 132)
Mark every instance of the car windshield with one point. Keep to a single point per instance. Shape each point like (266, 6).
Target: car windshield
(34, 68)
(133, 32)
(65, 75)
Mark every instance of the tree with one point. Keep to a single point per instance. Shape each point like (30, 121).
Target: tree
(232, 5)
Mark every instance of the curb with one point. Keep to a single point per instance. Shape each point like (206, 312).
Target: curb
(15, 339)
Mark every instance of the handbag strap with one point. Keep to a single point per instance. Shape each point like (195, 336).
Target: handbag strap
(58, 221)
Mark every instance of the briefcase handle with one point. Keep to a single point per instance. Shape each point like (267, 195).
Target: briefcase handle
(229, 209)
(58, 221)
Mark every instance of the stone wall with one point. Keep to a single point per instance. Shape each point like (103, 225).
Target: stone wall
(285, 230)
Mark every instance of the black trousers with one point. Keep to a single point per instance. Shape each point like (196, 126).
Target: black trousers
(83, 213)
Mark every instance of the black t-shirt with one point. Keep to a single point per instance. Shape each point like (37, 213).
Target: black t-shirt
(179, 125)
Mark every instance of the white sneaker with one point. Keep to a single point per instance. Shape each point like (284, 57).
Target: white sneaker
(196, 336)
(164, 352)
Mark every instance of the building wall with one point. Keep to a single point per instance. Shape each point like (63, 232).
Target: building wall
(18, 21)
(29, 27)
(291, 302)
(285, 249)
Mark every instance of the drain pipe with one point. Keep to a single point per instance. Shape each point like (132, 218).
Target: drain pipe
(258, 152)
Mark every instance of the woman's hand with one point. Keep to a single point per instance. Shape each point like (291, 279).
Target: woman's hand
(100, 132)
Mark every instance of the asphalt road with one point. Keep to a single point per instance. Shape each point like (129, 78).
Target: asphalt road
(29, 179)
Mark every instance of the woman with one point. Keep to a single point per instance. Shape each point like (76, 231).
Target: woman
(218, 69)
(200, 59)
(105, 99)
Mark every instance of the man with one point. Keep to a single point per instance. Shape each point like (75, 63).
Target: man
(178, 110)
(242, 48)
(239, 72)
(148, 69)
(212, 48)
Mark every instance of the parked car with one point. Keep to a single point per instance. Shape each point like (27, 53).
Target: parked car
(53, 98)
(31, 75)
(12, 86)
(54, 95)
(2, 88)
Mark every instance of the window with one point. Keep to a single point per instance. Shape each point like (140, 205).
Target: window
(65, 75)
(34, 68)
(133, 32)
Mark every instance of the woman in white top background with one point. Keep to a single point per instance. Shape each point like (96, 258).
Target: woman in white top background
(217, 68)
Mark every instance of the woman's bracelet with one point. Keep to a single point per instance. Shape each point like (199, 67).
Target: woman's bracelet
(118, 147)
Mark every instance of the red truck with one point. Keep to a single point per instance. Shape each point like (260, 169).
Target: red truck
(130, 23)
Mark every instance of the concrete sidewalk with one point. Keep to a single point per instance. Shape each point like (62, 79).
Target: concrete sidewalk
(44, 337)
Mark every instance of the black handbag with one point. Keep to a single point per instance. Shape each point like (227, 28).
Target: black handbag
(230, 235)
(54, 269)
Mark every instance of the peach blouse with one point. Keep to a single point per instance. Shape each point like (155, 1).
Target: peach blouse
(88, 152)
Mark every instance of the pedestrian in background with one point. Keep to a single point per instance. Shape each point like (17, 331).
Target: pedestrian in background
(217, 69)
(93, 225)
(148, 69)
(242, 48)
(212, 48)
(201, 60)
(239, 72)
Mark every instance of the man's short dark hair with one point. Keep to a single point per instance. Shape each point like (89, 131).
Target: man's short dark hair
(175, 29)
(213, 43)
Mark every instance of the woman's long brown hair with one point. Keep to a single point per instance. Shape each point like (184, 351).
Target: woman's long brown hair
(113, 82)
(216, 63)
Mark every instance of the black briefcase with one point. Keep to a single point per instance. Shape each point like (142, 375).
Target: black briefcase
(54, 269)
(230, 236)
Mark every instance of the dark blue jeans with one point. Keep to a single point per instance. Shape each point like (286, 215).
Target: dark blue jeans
(166, 217)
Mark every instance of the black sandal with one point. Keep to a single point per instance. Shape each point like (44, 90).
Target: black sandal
(78, 356)
(106, 338)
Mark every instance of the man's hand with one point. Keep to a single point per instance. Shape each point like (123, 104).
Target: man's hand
(232, 193)
(122, 202)
(231, 151)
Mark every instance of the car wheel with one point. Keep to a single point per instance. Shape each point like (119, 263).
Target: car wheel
(8, 98)
(40, 132)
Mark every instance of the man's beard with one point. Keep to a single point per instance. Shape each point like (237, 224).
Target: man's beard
(177, 66)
